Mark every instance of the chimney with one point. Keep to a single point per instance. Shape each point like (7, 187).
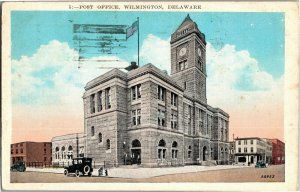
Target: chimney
(132, 66)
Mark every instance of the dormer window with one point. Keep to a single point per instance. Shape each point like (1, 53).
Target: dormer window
(183, 32)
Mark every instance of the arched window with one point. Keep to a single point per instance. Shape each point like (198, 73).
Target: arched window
(161, 149)
(189, 151)
(63, 156)
(174, 150)
(92, 131)
(107, 144)
(56, 152)
(136, 143)
(70, 152)
(100, 137)
(222, 153)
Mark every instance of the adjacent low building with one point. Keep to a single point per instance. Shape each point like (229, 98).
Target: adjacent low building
(32, 153)
(252, 149)
(66, 147)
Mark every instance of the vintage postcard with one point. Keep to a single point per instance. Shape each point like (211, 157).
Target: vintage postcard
(193, 96)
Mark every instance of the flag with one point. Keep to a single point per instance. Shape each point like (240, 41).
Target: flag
(132, 29)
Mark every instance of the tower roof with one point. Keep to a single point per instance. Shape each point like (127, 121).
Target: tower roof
(187, 27)
(187, 21)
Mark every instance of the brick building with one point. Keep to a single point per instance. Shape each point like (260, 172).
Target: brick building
(155, 119)
(278, 152)
(32, 152)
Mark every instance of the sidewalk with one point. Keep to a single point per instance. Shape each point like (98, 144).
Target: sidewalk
(123, 172)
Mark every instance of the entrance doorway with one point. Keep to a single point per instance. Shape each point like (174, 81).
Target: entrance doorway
(204, 153)
(252, 159)
(136, 152)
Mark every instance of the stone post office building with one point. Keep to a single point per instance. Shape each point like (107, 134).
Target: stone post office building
(155, 119)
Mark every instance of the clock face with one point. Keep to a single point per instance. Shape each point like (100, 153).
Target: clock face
(199, 52)
(182, 51)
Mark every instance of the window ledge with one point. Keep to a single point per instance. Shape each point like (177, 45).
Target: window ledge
(136, 101)
(174, 107)
(161, 102)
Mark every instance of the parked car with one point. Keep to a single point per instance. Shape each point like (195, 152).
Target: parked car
(80, 165)
(260, 164)
(18, 166)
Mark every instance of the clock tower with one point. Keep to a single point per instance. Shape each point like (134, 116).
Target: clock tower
(188, 63)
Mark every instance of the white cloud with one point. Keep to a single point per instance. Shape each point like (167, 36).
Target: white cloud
(51, 76)
(235, 80)
(156, 51)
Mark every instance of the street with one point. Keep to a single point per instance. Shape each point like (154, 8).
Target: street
(274, 173)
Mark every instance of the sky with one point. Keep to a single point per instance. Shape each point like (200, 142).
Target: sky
(245, 67)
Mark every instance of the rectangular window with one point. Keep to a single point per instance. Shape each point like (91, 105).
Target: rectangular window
(92, 103)
(239, 142)
(174, 99)
(21, 150)
(239, 150)
(45, 159)
(107, 98)
(12, 151)
(136, 92)
(245, 149)
(189, 119)
(174, 153)
(183, 65)
(245, 142)
(161, 113)
(200, 120)
(251, 142)
(161, 92)
(99, 101)
(136, 117)
(17, 151)
(251, 149)
(174, 119)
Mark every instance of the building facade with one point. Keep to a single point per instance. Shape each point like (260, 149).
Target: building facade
(232, 152)
(278, 151)
(154, 119)
(66, 147)
(32, 153)
(252, 149)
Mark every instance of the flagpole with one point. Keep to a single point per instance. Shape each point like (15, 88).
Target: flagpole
(138, 41)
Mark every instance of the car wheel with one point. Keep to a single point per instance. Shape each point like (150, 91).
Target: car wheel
(77, 173)
(66, 172)
(86, 169)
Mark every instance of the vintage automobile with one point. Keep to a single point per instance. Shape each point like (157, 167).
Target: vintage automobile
(18, 166)
(260, 164)
(80, 165)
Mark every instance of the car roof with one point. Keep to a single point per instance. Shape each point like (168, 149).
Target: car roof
(77, 158)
